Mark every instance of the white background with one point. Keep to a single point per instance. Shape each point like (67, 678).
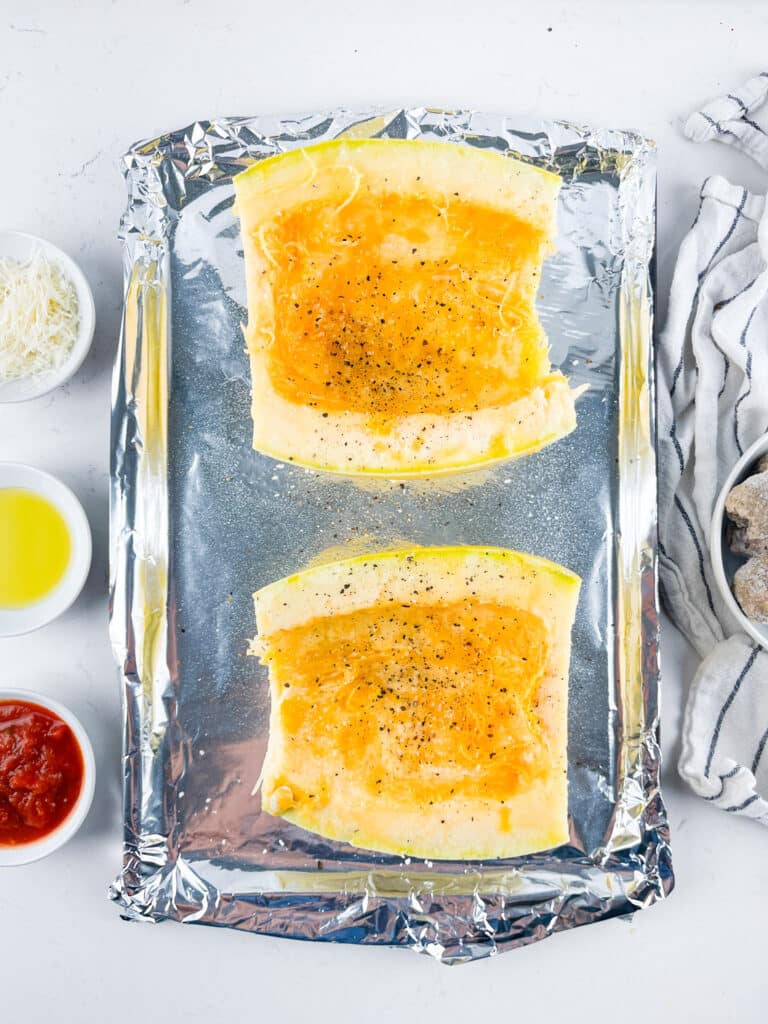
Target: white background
(81, 81)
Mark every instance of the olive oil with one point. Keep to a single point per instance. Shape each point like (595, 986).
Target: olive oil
(35, 547)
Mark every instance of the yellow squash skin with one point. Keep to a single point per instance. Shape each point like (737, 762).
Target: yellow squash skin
(419, 701)
(391, 320)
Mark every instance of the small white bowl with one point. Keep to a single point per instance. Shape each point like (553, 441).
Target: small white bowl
(20, 246)
(25, 853)
(724, 562)
(14, 621)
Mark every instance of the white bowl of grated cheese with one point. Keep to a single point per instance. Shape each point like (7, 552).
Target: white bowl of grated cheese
(47, 317)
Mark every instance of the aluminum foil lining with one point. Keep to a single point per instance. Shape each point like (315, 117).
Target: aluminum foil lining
(200, 521)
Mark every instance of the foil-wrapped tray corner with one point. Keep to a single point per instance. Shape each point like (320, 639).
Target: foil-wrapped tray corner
(200, 521)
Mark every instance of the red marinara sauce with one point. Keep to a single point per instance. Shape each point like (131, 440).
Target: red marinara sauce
(41, 771)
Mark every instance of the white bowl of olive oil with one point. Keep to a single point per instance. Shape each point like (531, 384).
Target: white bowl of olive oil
(45, 548)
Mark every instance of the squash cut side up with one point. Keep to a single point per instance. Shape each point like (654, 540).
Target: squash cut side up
(391, 320)
(419, 701)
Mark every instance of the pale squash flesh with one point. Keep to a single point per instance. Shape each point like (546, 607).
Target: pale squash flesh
(419, 701)
(391, 320)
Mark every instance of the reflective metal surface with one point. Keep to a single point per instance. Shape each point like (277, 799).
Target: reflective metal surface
(200, 521)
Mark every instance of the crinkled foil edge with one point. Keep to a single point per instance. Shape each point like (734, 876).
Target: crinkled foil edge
(499, 910)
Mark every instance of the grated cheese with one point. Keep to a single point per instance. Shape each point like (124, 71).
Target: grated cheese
(39, 317)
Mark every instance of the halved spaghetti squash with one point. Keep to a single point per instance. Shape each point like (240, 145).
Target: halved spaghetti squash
(419, 701)
(391, 319)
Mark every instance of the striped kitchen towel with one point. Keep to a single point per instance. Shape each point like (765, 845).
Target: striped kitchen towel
(728, 119)
(713, 403)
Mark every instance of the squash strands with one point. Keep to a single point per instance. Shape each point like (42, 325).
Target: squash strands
(419, 701)
(391, 320)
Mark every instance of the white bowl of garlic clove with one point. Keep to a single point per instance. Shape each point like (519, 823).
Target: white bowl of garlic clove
(725, 562)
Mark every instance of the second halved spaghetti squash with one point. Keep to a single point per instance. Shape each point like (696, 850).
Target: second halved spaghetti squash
(419, 701)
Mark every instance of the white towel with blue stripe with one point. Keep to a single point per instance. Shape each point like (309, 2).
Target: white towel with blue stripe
(713, 403)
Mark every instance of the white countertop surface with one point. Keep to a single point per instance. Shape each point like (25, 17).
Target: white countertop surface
(80, 81)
